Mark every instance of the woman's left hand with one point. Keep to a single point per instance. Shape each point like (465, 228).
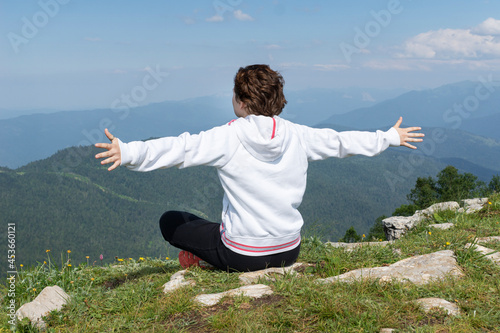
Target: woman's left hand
(406, 135)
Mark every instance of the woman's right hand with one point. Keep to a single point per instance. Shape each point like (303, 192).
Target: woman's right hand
(113, 153)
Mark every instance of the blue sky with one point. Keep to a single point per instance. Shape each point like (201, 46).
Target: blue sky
(75, 54)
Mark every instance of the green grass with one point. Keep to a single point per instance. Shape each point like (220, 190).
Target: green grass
(128, 296)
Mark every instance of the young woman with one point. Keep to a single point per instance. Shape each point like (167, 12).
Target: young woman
(262, 162)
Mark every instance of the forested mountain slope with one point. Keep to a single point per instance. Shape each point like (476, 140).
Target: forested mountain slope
(70, 202)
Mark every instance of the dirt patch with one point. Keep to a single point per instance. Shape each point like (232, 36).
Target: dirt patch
(114, 283)
(434, 317)
(267, 300)
(196, 321)
(304, 268)
(485, 213)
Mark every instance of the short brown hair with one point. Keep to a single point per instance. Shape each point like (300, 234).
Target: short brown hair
(261, 89)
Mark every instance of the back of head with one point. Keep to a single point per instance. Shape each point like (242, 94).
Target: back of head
(260, 89)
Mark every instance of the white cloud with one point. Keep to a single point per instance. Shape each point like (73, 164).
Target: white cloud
(273, 47)
(188, 20)
(396, 64)
(450, 44)
(367, 97)
(119, 71)
(330, 67)
(240, 16)
(215, 18)
(488, 27)
(288, 65)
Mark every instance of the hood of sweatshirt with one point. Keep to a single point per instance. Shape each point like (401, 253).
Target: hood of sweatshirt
(265, 138)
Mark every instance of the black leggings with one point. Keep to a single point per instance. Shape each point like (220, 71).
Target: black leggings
(202, 238)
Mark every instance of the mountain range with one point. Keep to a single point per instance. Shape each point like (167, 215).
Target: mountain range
(469, 106)
(32, 137)
(36, 136)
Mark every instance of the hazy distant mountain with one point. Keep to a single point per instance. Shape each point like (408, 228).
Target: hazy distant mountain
(32, 137)
(28, 138)
(7, 113)
(464, 105)
(312, 106)
(489, 126)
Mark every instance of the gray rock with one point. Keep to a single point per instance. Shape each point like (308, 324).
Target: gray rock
(50, 299)
(428, 304)
(472, 205)
(396, 226)
(418, 270)
(489, 239)
(442, 226)
(177, 281)
(267, 274)
(473, 202)
(439, 207)
(254, 291)
(351, 246)
(492, 255)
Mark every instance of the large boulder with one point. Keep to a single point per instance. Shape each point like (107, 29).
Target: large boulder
(418, 270)
(253, 291)
(396, 226)
(50, 299)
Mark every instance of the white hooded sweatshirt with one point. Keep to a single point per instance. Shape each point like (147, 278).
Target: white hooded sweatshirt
(262, 166)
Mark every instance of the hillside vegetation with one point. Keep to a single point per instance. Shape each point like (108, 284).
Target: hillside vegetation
(127, 295)
(71, 202)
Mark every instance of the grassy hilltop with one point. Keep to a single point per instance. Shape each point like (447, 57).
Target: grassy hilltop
(127, 296)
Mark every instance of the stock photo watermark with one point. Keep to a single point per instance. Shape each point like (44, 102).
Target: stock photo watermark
(363, 36)
(11, 275)
(121, 108)
(453, 116)
(223, 6)
(470, 104)
(31, 26)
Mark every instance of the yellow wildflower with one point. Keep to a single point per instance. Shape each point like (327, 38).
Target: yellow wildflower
(119, 259)
(69, 251)
(141, 258)
(87, 257)
(45, 262)
(34, 289)
(167, 258)
(447, 243)
(47, 251)
(489, 202)
(430, 233)
(91, 279)
(69, 265)
(21, 265)
(71, 282)
(364, 236)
